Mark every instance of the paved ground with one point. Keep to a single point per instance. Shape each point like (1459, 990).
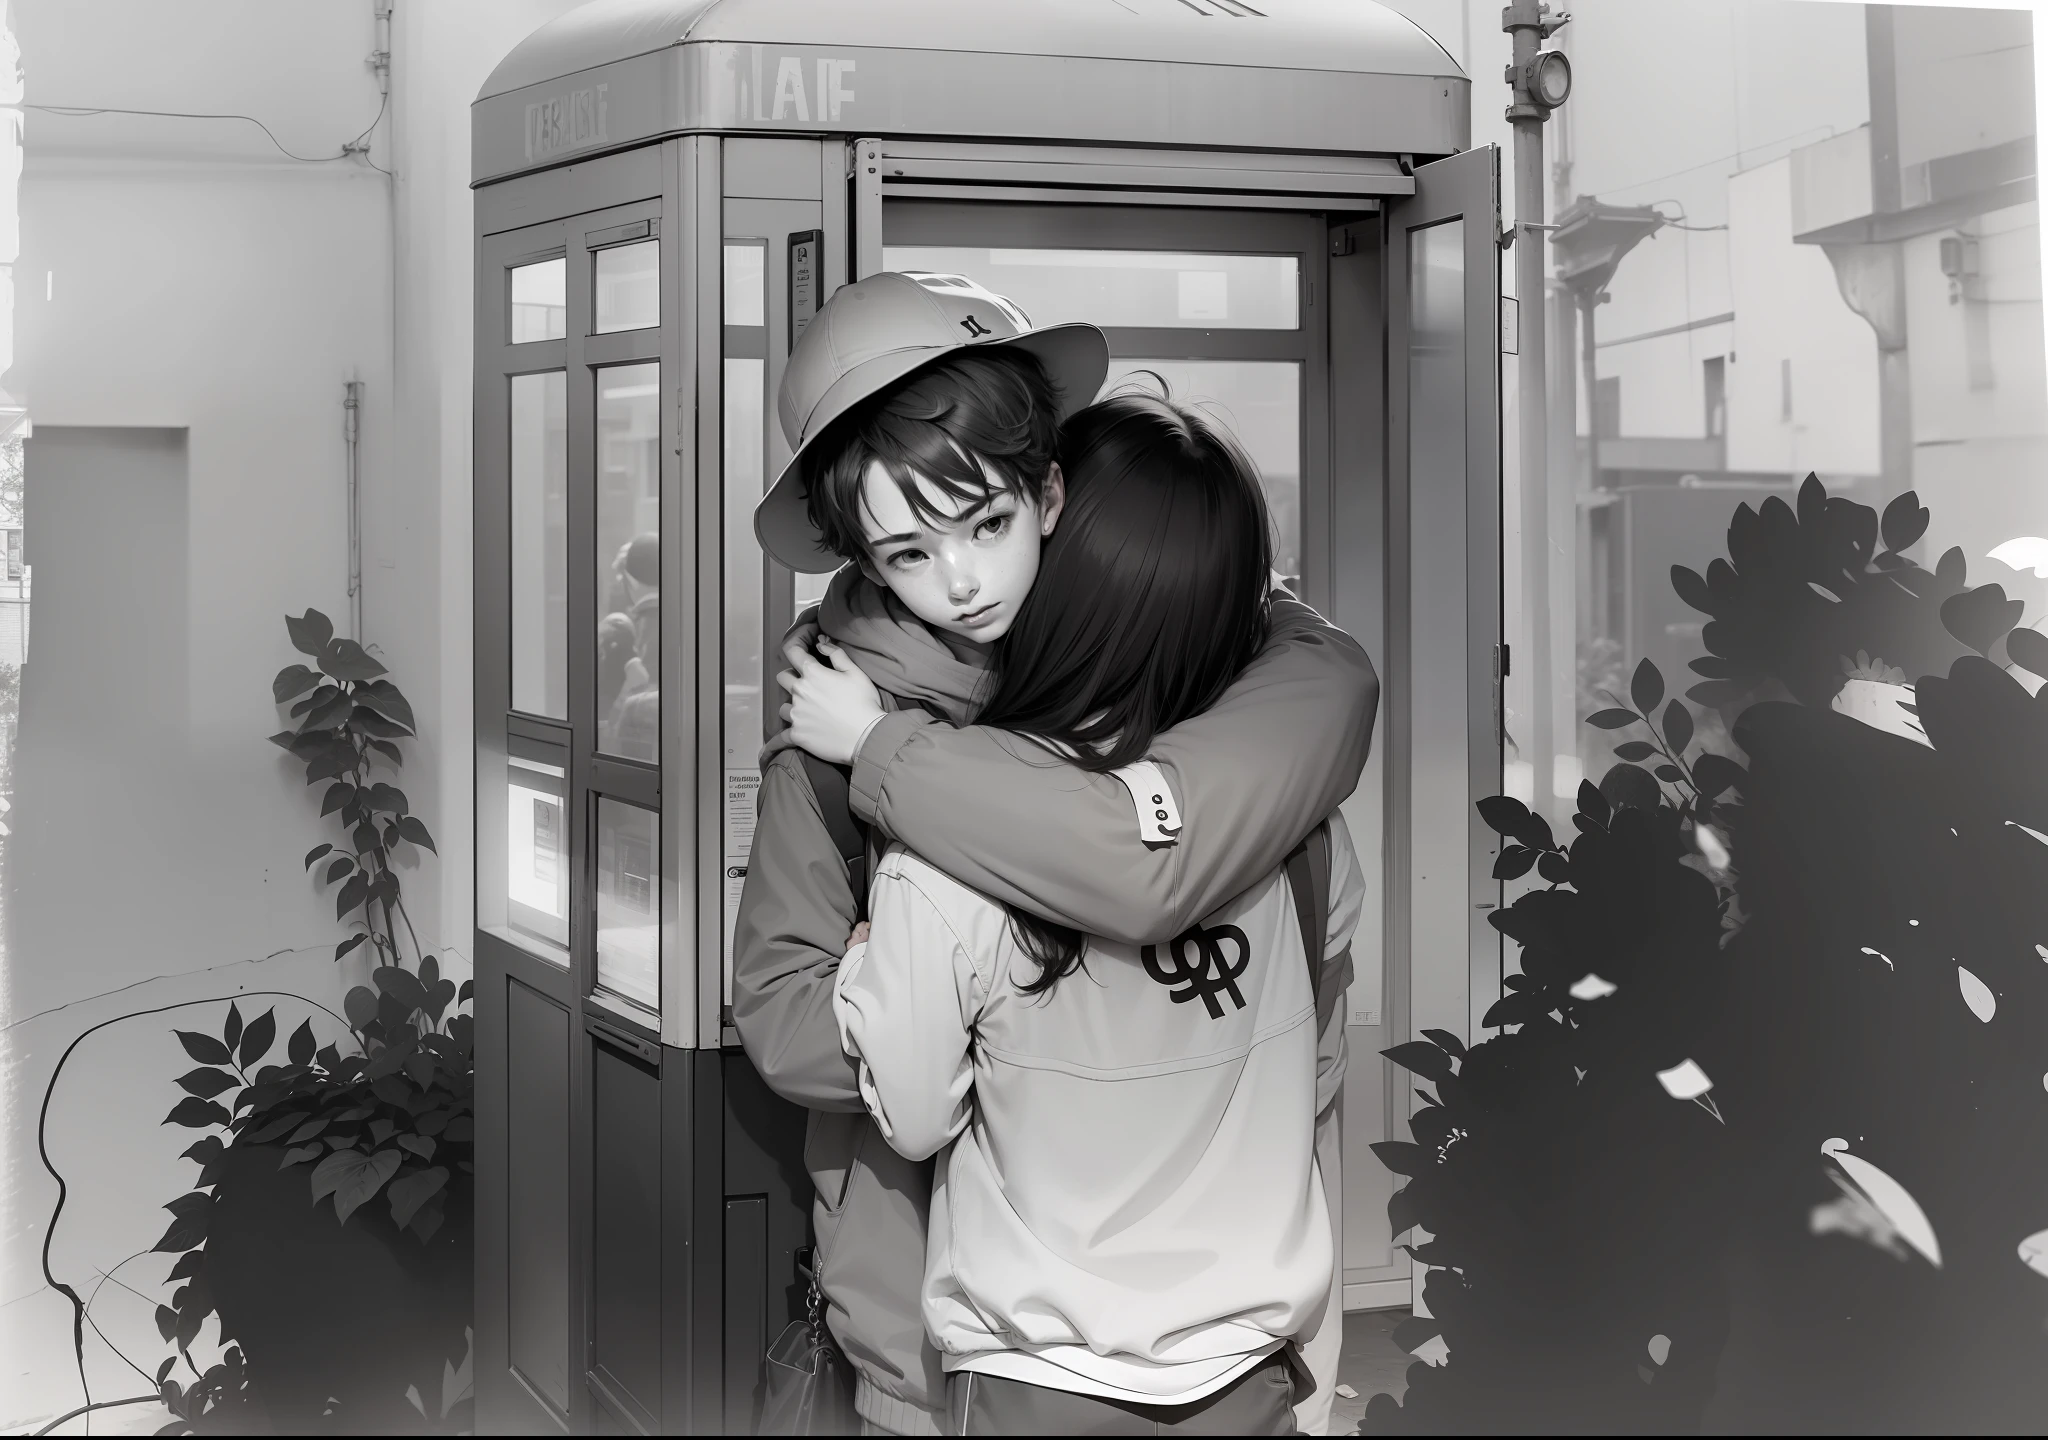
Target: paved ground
(1371, 1364)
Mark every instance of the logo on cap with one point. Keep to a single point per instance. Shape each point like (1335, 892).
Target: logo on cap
(974, 328)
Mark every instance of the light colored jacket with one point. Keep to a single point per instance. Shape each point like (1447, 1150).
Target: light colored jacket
(1128, 1202)
(1280, 750)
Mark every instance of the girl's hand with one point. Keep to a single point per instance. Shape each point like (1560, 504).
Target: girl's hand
(859, 935)
(832, 702)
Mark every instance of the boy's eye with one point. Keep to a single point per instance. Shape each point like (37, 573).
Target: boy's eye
(904, 559)
(992, 527)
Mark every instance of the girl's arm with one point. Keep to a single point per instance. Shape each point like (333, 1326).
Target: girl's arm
(1253, 774)
(905, 1019)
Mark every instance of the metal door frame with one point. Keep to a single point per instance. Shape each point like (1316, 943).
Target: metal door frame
(1437, 772)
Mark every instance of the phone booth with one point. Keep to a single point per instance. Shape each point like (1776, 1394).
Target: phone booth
(1271, 205)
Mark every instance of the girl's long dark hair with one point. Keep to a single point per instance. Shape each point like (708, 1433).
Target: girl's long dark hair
(1151, 598)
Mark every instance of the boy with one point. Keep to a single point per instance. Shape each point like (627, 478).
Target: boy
(923, 411)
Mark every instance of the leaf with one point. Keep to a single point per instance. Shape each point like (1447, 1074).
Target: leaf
(1535, 833)
(341, 866)
(1646, 686)
(365, 721)
(309, 632)
(1715, 773)
(1524, 1007)
(204, 1048)
(384, 696)
(205, 1150)
(1904, 521)
(298, 1155)
(1612, 719)
(1592, 804)
(1450, 1043)
(299, 1049)
(420, 1065)
(413, 1191)
(352, 895)
(1669, 774)
(315, 853)
(387, 798)
(166, 1321)
(1979, 617)
(197, 1114)
(339, 794)
(1514, 862)
(347, 661)
(1634, 750)
(388, 751)
(420, 1145)
(1422, 1058)
(468, 989)
(276, 1127)
(402, 986)
(1952, 569)
(206, 1082)
(231, 1032)
(1692, 589)
(1677, 727)
(2029, 650)
(1715, 694)
(349, 944)
(1714, 667)
(256, 1041)
(1503, 813)
(411, 827)
(460, 1130)
(352, 1178)
(311, 1129)
(1555, 868)
(184, 1232)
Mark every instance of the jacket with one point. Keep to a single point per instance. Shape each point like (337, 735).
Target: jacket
(1276, 754)
(1127, 1201)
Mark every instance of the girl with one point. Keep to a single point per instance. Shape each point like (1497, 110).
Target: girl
(1131, 1220)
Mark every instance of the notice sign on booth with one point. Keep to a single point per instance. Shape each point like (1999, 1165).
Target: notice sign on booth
(742, 794)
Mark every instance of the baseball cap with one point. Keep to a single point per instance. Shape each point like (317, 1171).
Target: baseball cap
(880, 330)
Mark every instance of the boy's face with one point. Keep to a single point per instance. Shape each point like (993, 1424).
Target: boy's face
(965, 573)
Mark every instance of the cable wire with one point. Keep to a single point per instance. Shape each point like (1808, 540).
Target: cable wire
(347, 151)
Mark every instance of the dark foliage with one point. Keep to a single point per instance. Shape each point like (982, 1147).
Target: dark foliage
(1624, 1252)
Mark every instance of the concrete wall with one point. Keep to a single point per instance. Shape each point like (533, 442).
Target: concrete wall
(183, 274)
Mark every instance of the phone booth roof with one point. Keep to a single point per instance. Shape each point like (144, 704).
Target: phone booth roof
(1345, 77)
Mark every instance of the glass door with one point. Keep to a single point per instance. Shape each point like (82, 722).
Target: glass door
(1442, 730)
(1224, 306)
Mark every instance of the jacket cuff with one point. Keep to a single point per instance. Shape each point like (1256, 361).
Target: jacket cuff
(878, 751)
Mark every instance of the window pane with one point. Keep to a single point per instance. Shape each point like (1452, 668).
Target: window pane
(628, 907)
(628, 279)
(540, 544)
(536, 853)
(746, 394)
(540, 301)
(746, 288)
(1126, 287)
(1258, 402)
(629, 561)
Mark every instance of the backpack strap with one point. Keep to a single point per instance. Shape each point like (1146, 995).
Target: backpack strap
(833, 787)
(1308, 876)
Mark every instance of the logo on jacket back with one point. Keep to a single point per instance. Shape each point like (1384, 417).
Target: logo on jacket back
(1199, 967)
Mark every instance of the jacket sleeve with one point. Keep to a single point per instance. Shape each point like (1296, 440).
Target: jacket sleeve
(1253, 774)
(904, 1016)
(796, 912)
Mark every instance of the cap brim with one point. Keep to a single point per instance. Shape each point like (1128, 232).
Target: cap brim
(1075, 356)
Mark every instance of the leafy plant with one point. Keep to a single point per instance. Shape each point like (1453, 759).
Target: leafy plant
(393, 1117)
(349, 718)
(1633, 1195)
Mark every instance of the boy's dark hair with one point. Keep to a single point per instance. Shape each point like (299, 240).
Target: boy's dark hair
(995, 405)
(1152, 597)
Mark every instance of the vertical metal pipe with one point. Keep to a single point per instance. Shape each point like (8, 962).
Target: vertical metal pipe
(351, 434)
(1532, 406)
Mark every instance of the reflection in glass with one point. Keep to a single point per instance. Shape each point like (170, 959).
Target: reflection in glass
(746, 288)
(628, 281)
(536, 852)
(1258, 402)
(1147, 288)
(629, 561)
(746, 383)
(628, 910)
(540, 544)
(540, 301)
